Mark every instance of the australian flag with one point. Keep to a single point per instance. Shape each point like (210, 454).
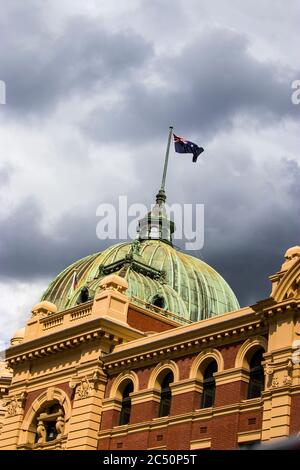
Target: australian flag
(185, 146)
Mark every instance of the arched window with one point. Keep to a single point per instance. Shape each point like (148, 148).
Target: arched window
(165, 395)
(50, 424)
(257, 378)
(84, 295)
(158, 301)
(126, 404)
(209, 385)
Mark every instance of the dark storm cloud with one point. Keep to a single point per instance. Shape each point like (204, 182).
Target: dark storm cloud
(249, 225)
(42, 67)
(245, 236)
(29, 252)
(247, 265)
(252, 213)
(209, 83)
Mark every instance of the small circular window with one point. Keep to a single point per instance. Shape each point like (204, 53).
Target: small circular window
(158, 301)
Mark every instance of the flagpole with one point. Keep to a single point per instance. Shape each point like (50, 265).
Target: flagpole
(163, 181)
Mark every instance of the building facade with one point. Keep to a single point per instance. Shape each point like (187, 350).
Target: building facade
(145, 347)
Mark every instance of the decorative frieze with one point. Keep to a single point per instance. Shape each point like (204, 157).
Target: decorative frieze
(61, 346)
(194, 345)
(15, 404)
(84, 386)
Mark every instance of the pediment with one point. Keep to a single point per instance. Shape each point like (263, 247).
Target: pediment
(289, 285)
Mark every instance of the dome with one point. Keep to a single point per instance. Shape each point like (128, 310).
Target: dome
(156, 274)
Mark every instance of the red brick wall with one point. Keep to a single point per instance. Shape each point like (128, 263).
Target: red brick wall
(185, 403)
(144, 411)
(295, 414)
(224, 432)
(184, 365)
(229, 393)
(222, 429)
(109, 384)
(158, 437)
(33, 395)
(201, 429)
(104, 444)
(229, 353)
(179, 436)
(136, 441)
(246, 420)
(144, 375)
(109, 419)
(143, 322)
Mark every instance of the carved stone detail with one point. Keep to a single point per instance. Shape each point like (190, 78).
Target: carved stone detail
(41, 432)
(287, 380)
(60, 426)
(13, 407)
(15, 404)
(269, 370)
(275, 382)
(84, 388)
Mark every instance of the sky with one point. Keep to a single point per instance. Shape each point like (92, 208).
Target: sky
(91, 89)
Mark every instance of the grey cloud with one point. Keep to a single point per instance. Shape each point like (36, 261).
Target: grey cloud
(42, 68)
(211, 82)
(251, 220)
(5, 175)
(245, 236)
(252, 212)
(28, 252)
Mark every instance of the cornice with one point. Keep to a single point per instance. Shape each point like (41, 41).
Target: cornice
(231, 375)
(111, 404)
(186, 386)
(182, 341)
(97, 329)
(46, 379)
(142, 396)
(277, 309)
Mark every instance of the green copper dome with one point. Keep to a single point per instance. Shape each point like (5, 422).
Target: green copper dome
(157, 274)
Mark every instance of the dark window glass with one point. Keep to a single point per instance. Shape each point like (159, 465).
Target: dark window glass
(51, 432)
(257, 379)
(126, 405)
(166, 396)
(83, 296)
(158, 301)
(209, 386)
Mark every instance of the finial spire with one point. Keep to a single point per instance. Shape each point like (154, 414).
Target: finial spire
(161, 196)
(156, 225)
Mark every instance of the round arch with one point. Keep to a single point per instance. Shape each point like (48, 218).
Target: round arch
(123, 378)
(46, 397)
(204, 357)
(159, 369)
(251, 344)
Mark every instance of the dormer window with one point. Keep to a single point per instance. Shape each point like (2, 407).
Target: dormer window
(158, 301)
(84, 295)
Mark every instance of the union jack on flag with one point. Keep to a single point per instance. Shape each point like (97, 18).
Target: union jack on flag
(185, 146)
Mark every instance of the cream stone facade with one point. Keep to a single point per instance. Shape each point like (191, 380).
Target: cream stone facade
(63, 379)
